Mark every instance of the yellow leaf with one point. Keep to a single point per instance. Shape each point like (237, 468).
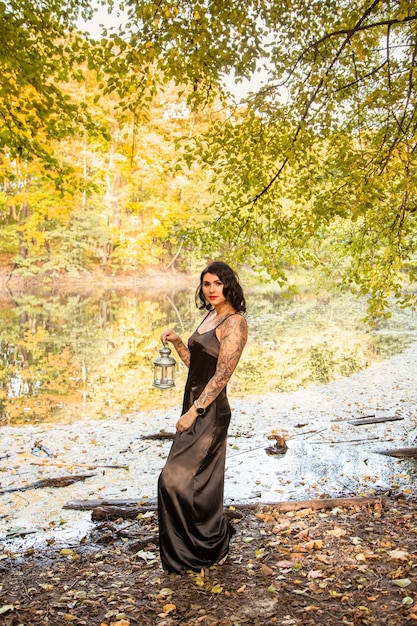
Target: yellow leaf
(168, 608)
(6, 607)
(217, 588)
(66, 552)
(265, 517)
(402, 582)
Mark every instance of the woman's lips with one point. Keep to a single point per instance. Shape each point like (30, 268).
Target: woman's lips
(212, 297)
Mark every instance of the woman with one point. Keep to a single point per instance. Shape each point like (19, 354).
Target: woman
(192, 530)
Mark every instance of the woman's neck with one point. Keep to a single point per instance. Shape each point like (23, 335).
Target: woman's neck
(224, 309)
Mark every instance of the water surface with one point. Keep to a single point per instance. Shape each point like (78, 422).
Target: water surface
(80, 356)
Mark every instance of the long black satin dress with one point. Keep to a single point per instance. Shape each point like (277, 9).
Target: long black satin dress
(192, 530)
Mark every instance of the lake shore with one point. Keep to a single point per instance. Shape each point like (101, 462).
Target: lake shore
(327, 455)
(150, 277)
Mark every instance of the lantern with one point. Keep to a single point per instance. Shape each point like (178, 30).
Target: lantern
(164, 369)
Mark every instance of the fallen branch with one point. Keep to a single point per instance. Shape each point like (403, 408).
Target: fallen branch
(374, 420)
(326, 503)
(100, 513)
(350, 440)
(142, 543)
(48, 463)
(114, 509)
(87, 505)
(62, 481)
(401, 453)
(347, 419)
(307, 432)
(163, 434)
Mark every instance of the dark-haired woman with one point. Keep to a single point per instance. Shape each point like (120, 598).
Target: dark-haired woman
(193, 533)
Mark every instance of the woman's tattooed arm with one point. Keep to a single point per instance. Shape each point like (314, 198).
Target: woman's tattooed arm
(232, 335)
(183, 352)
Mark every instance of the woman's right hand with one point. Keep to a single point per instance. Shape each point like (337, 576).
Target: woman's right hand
(170, 335)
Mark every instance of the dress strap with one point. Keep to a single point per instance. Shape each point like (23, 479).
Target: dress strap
(204, 318)
(225, 318)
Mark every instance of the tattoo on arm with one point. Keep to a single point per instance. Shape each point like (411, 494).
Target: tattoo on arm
(232, 341)
(183, 352)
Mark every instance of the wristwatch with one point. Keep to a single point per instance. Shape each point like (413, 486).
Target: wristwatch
(200, 410)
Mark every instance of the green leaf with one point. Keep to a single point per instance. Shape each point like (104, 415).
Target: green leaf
(402, 582)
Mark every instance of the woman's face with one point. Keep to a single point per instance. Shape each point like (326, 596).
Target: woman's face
(213, 289)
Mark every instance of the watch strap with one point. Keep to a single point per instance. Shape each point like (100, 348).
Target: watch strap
(200, 410)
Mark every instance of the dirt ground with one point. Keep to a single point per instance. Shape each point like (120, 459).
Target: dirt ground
(347, 566)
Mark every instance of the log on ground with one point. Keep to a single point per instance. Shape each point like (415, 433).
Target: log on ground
(115, 509)
(100, 513)
(87, 505)
(60, 481)
(401, 453)
(374, 420)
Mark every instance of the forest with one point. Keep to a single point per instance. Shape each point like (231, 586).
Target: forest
(126, 142)
(144, 137)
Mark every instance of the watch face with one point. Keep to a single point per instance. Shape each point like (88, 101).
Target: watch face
(200, 410)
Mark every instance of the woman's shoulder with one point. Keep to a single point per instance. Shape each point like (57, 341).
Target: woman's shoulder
(236, 321)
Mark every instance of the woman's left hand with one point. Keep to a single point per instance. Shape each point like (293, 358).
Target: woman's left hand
(186, 421)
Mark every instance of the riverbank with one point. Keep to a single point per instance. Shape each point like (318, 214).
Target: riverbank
(327, 455)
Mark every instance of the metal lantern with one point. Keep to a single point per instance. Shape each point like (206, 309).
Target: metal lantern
(164, 369)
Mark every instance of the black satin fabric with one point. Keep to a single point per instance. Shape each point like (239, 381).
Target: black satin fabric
(192, 530)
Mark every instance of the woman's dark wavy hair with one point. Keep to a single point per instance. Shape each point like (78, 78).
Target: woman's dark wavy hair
(232, 289)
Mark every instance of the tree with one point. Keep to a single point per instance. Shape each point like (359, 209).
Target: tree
(322, 159)
(41, 52)
(123, 203)
(317, 167)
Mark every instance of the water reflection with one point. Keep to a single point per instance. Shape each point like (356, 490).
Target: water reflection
(80, 356)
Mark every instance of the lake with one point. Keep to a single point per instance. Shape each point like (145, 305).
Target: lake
(83, 356)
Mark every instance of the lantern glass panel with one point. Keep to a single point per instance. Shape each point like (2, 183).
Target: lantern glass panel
(164, 367)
